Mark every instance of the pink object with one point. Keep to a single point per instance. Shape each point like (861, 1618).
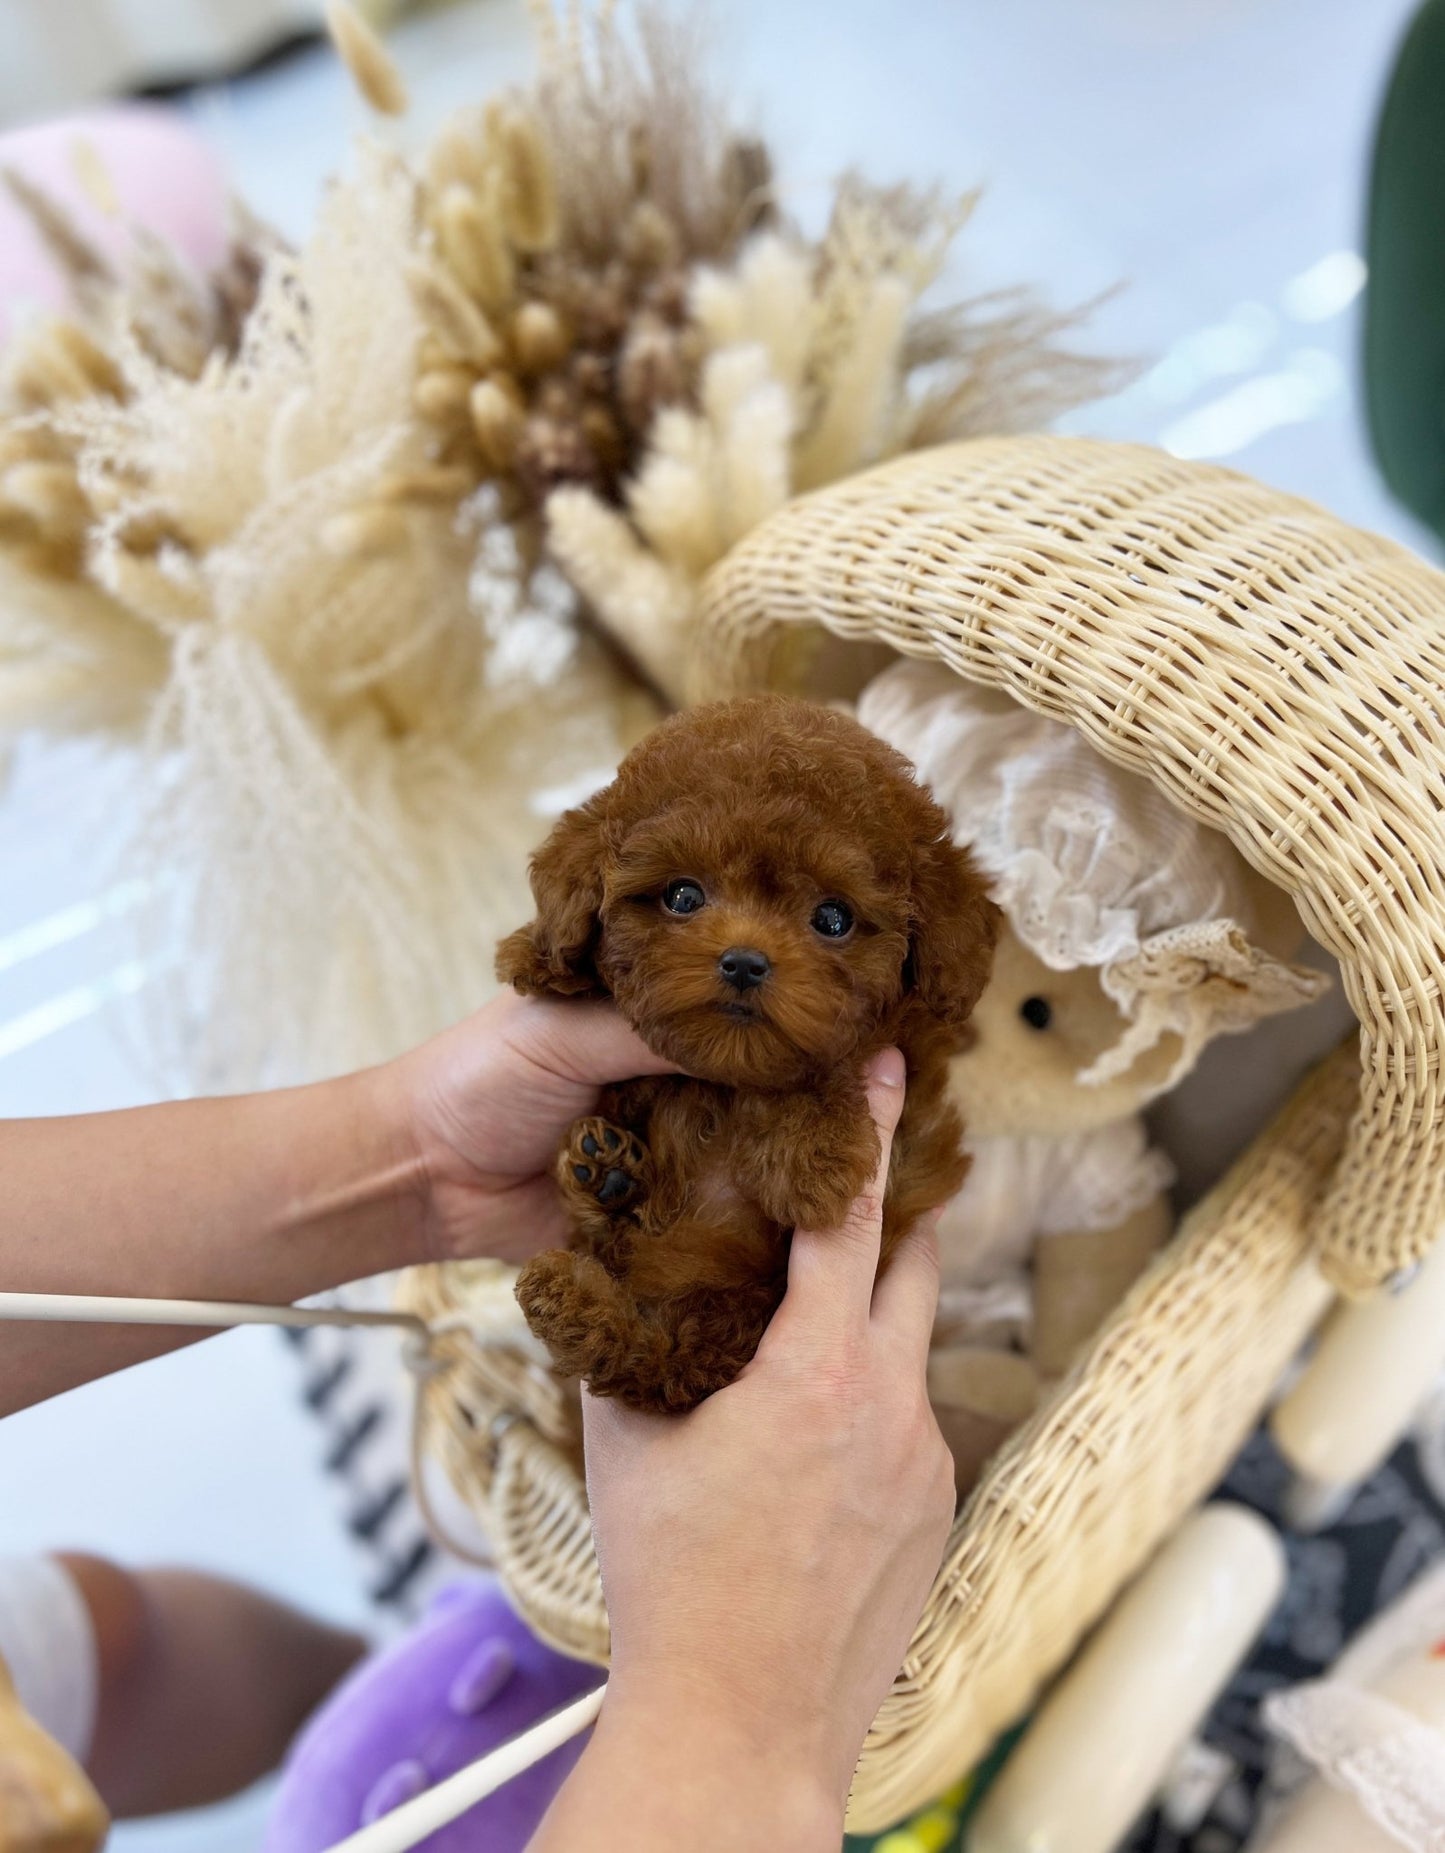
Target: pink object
(163, 176)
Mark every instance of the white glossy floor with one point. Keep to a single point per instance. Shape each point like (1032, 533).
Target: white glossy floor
(1207, 155)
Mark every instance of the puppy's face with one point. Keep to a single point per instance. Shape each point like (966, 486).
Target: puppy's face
(747, 955)
(763, 889)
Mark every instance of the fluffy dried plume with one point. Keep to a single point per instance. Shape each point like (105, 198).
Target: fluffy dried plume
(82, 265)
(257, 571)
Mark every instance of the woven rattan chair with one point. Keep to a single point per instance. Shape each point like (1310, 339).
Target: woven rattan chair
(1273, 672)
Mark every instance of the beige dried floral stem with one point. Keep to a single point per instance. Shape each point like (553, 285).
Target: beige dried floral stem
(598, 255)
(149, 300)
(366, 58)
(93, 177)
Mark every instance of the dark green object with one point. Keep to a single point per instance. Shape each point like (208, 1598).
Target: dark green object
(1405, 294)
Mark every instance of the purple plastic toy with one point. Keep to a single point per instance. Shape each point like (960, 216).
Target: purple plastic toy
(468, 1677)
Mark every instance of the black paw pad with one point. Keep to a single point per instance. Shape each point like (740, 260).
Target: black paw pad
(583, 1173)
(590, 1146)
(615, 1186)
(614, 1139)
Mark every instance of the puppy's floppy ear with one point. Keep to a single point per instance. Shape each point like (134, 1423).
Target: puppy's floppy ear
(953, 932)
(554, 955)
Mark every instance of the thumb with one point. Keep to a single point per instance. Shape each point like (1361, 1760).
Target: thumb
(583, 1041)
(831, 1271)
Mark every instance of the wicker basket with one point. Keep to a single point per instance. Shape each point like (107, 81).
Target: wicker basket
(1278, 675)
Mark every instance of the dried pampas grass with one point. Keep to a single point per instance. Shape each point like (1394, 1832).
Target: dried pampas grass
(349, 676)
(341, 544)
(364, 56)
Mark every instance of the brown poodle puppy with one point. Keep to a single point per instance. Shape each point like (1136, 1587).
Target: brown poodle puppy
(770, 898)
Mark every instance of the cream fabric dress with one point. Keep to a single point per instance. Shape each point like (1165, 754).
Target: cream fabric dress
(1020, 1189)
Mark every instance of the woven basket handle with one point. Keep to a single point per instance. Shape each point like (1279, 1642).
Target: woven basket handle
(1277, 674)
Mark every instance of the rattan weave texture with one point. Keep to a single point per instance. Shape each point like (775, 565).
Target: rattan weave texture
(1275, 672)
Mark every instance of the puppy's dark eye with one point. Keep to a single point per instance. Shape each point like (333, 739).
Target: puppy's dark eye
(683, 897)
(833, 920)
(1037, 1012)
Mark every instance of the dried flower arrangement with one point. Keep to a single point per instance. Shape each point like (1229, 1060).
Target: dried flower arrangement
(312, 532)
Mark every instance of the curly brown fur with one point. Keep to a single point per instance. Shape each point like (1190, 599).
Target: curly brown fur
(684, 1190)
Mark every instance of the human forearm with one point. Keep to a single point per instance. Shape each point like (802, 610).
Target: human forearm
(259, 1197)
(446, 1152)
(667, 1770)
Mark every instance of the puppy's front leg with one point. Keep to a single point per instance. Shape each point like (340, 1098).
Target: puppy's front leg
(808, 1155)
(585, 1317)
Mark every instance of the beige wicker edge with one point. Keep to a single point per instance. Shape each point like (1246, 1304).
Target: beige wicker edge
(1276, 673)
(504, 1431)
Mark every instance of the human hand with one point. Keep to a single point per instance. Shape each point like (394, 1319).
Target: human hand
(486, 1105)
(766, 1556)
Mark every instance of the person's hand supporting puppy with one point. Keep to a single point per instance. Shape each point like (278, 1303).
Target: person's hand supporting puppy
(444, 1153)
(766, 1557)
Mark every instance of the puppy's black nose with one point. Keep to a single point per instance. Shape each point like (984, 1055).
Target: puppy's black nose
(744, 967)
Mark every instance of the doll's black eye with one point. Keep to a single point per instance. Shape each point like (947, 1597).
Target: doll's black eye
(1037, 1012)
(683, 897)
(832, 919)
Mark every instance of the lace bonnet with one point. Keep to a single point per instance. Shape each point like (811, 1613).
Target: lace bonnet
(1093, 867)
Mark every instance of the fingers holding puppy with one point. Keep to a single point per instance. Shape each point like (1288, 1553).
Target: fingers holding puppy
(831, 1272)
(905, 1300)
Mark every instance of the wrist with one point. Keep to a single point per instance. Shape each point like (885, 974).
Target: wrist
(362, 1188)
(393, 1165)
(728, 1757)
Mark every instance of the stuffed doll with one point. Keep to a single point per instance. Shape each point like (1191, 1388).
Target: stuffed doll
(770, 897)
(1132, 936)
(468, 1677)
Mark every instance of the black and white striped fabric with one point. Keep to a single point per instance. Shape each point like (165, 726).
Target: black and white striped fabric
(355, 1383)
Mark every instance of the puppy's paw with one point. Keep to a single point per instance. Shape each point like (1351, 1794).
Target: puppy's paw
(818, 1202)
(604, 1166)
(819, 1184)
(558, 1294)
(548, 1293)
(585, 1318)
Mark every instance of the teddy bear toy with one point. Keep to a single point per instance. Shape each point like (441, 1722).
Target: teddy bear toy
(1132, 936)
(467, 1678)
(770, 897)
